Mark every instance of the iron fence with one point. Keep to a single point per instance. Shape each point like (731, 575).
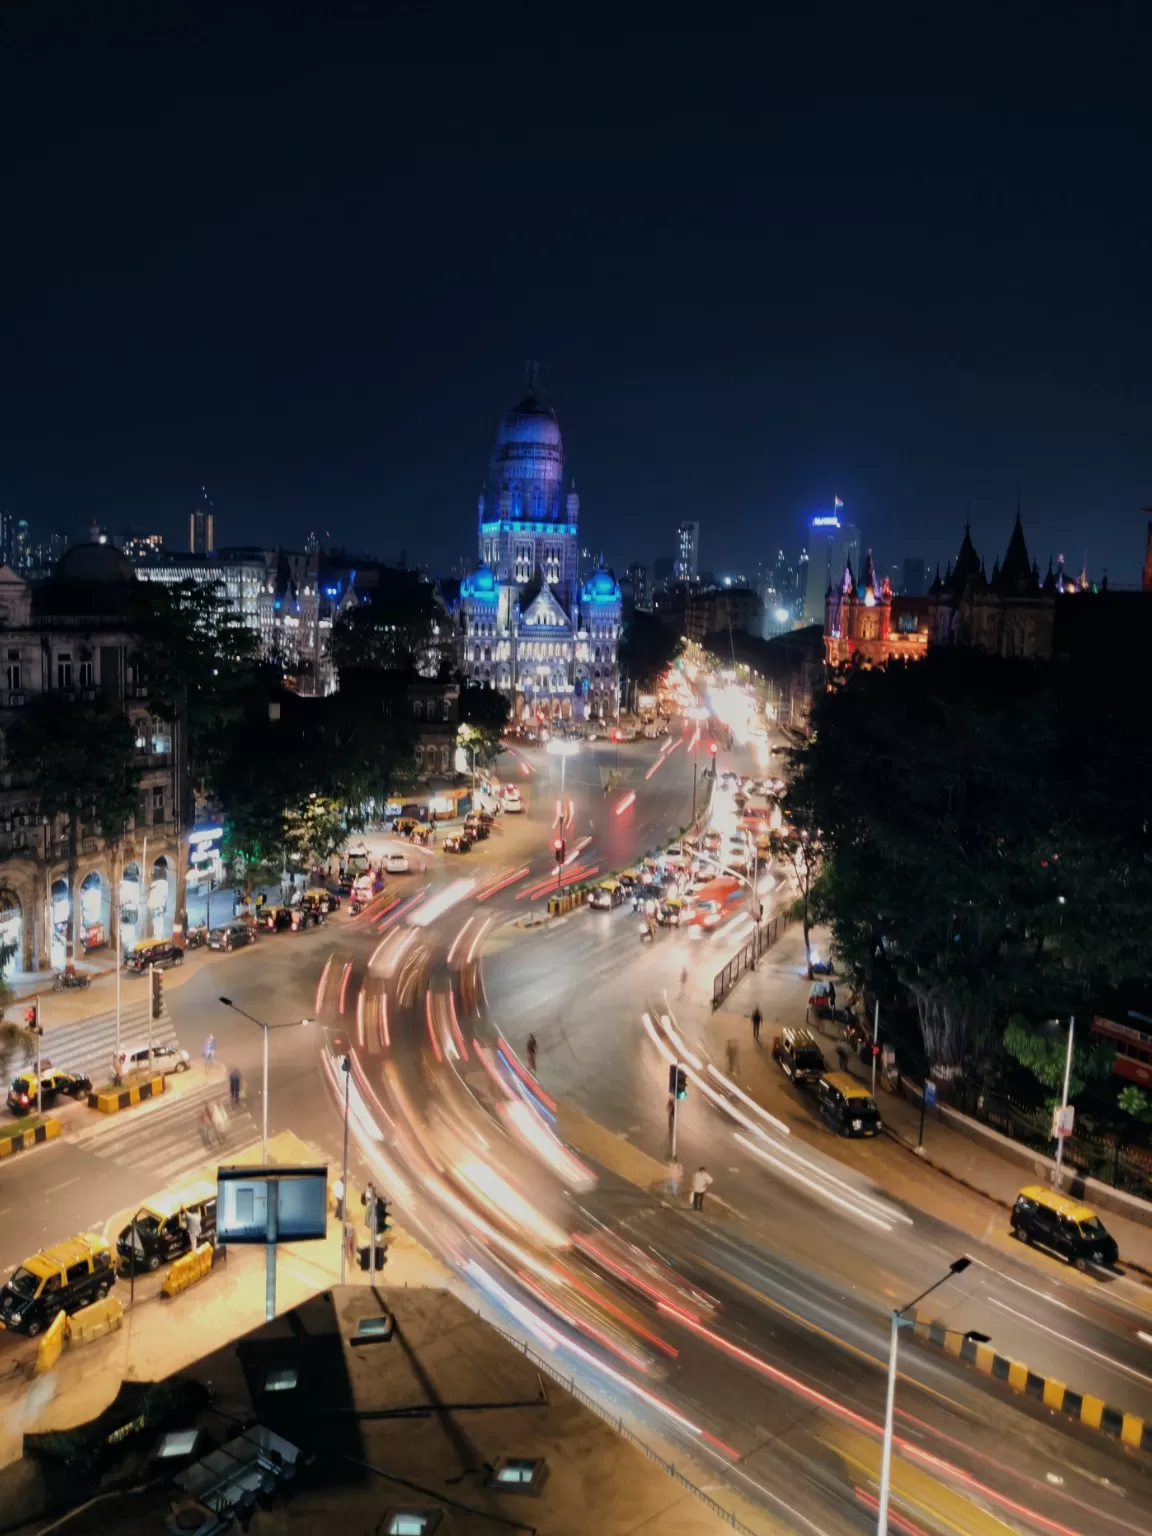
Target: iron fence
(764, 935)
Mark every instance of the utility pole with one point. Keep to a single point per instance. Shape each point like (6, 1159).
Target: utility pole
(346, 1064)
(1060, 1137)
(875, 1043)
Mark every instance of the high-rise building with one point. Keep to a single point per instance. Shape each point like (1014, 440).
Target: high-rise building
(833, 543)
(637, 575)
(201, 528)
(686, 560)
(915, 582)
(141, 546)
(662, 568)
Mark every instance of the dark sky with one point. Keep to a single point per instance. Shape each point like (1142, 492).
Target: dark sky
(300, 253)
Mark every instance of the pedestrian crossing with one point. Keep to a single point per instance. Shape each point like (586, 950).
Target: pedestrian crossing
(87, 1045)
(166, 1134)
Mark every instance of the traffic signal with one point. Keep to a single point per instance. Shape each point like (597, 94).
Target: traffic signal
(678, 1082)
(32, 1018)
(558, 849)
(156, 987)
(382, 1223)
(713, 748)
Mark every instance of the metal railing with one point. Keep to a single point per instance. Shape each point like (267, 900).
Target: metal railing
(618, 1424)
(763, 938)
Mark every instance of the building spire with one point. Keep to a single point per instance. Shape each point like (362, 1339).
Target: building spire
(532, 369)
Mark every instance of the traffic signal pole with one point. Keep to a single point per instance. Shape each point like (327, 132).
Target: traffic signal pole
(39, 1040)
(675, 1111)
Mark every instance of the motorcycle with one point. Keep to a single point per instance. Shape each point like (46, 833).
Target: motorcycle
(196, 937)
(355, 907)
(647, 932)
(64, 980)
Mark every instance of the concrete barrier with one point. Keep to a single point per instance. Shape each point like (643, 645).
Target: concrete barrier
(1129, 1428)
(93, 1322)
(123, 1098)
(51, 1343)
(558, 905)
(187, 1269)
(17, 1141)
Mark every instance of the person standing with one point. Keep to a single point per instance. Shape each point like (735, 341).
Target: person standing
(701, 1179)
(757, 1020)
(234, 1084)
(209, 1052)
(832, 997)
(338, 1198)
(192, 1222)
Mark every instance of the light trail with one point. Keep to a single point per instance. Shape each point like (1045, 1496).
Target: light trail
(629, 799)
(501, 885)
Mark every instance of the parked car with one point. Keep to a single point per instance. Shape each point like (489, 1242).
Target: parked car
(166, 1058)
(159, 1233)
(161, 953)
(232, 935)
(53, 1084)
(62, 1278)
(274, 919)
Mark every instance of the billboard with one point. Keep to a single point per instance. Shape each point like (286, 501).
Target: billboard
(271, 1205)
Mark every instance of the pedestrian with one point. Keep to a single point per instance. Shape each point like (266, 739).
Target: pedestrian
(117, 1067)
(531, 1052)
(733, 1053)
(338, 1198)
(205, 1119)
(192, 1222)
(350, 1242)
(234, 1084)
(832, 997)
(683, 980)
(220, 1122)
(701, 1179)
(672, 1176)
(671, 1116)
(757, 1020)
(209, 1052)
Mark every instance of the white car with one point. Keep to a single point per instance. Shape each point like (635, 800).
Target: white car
(396, 864)
(512, 802)
(166, 1058)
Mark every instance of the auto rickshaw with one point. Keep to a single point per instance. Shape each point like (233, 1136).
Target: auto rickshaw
(671, 913)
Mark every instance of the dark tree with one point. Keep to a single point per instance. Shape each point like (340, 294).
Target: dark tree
(393, 630)
(648, 648)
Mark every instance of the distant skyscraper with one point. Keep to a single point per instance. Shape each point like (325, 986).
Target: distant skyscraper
(915, 582)
(685, 562)
(312, 544)
(832, 544)
(7, 528)
(637, 574)
(201, 528)
(662, 568)
(21, 552)
(141, 546)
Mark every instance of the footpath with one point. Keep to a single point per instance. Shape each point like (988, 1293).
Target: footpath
(967, 1183)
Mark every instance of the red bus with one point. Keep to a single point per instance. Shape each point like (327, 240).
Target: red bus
(1133, 1046)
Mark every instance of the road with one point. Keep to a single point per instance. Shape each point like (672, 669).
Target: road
(755, 1338)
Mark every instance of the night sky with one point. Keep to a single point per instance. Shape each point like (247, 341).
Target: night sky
(300, 254)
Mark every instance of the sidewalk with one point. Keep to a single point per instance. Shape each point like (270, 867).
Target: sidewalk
(162, 1335)
(970, 1184)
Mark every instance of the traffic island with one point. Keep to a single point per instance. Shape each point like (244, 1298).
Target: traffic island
(110, 1099)
(29, 1132)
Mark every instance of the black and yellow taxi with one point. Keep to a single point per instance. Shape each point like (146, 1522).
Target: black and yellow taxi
(53, 1084)
(63, 1278)
(606, 895)
(1064, 1226)
(160, 1231)
(157, 953)
(847, 1105)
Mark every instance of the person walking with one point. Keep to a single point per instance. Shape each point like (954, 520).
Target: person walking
(683, 981)
(206, 1126)
(701, 1179)
(338, 1198)
(757, 1020)
(209, 1052)
(234, 1084)
(672, 1176)
(192, 1222)
(220, 1122)
(530, 1050)
(733, 1054)
(832, 997)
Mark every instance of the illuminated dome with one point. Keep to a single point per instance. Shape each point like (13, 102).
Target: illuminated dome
(601, 588)
(481, 583)
(528, 459)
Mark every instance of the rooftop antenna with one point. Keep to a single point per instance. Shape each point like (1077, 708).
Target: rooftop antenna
(533, 371)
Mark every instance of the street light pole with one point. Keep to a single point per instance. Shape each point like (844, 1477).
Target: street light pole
(957, 1267)
(346, 1064)
(252, 1019)
(1061, 1138)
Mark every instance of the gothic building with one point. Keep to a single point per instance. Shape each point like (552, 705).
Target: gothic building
(1012, 612)
(526, 623)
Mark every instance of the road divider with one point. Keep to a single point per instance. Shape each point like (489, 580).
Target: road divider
(187, 1269)
(1129, 1428)
(558, 905)
(19, 1141)
(51, 1345)
(111, 1101)
(95, 1321)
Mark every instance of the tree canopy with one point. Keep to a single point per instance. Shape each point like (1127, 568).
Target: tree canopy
(647, 649)
(988, 842)
(392, 630)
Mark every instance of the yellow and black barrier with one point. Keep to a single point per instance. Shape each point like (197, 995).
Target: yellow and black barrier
(116, 1099)
(95, 1321)
(1094, 1412)
(187, 1270)
(51, 1344)
(17, 1141)
(558, 905)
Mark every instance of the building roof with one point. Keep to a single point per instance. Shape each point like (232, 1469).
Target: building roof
(602, 587)
(100, 563)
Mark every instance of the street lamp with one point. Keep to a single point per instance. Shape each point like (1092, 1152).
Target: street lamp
(563, 750)
(291, 1024)
(957, 1267)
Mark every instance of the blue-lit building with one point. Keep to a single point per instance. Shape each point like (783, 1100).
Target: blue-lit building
(527, 624)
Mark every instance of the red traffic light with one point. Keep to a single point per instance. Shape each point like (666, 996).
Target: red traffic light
(32, 1016)
(713, 748)
(617, 736)
(558, 847)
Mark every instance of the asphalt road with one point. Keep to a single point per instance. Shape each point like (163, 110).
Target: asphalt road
(781, 1383)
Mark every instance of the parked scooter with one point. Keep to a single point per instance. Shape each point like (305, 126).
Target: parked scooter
(66, 980)
(197, 937)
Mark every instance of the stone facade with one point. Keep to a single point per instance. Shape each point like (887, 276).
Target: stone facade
(73, 636)
(525, 623)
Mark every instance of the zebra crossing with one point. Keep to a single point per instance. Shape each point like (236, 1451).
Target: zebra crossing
(166, 1134)
(87, 1045)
